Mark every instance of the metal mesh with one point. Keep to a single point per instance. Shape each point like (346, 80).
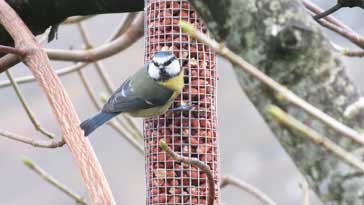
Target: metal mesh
(192, 134)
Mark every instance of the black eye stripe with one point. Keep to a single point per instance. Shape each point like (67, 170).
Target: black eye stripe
(155, 63)
(169, 61)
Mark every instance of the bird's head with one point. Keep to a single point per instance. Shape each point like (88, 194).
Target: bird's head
(164, 66)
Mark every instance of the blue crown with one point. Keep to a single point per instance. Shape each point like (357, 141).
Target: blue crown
(161, 54)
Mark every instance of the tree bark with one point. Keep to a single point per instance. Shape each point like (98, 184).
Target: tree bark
(37, 61)
(280, 38)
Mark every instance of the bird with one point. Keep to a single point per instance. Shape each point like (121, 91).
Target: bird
(147, 93)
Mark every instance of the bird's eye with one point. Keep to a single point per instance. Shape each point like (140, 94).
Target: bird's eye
(155, 63)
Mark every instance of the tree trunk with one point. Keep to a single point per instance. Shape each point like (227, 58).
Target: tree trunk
(280, 38)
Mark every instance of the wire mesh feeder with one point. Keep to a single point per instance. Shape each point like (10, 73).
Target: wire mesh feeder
(191, 134)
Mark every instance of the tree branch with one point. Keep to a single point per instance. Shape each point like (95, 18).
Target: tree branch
(41, 14)
(282, 92)
(335, 25)
(12, 50)
(292, 50)
(27, 109)
(315, 137)
(340, 4)
(195, 162)
(305, 193)
(48, 178)
(8, 60)
(331, 19)
(59, 72)
(230, 180)
(131, 35)
(328, 12)
(39, 64)
(32, 142)
(77, 19)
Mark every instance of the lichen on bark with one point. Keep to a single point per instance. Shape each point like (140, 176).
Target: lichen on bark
(281, 39)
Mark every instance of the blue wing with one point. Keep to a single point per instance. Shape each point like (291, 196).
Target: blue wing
(137, 93)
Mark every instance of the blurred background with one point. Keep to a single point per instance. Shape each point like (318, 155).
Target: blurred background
(248, 149)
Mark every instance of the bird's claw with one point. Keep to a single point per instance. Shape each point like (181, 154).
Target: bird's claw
(183, 107)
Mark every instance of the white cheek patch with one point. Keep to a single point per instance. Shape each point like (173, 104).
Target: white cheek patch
(174, 68)
(153, 71)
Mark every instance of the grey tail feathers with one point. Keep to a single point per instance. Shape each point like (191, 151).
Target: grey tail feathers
(91, 124)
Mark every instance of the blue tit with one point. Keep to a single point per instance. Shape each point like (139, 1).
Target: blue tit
(147, 93)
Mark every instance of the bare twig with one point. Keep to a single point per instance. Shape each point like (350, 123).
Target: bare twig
(27, 109)
(194, 162)
(341, 4)
(351, 36)
(258, 194)
(282, 91)
(48, 178)
(10, 60)
(85, 37)
(62, 107)
(335, 25)
(60, 72)
(315, 137)
(305, 192)
(348, 52)
(327, 12)
(99, 67)
(77, 19)
(132, 125)
(32, 142)
(12, 50)
(104, 77)
(351, 53)
(133, 33)
(132, 140)
(89, 89)
(124, 26)
(316, 10)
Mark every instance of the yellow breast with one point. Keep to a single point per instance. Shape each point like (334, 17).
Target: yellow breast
(175, 83)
